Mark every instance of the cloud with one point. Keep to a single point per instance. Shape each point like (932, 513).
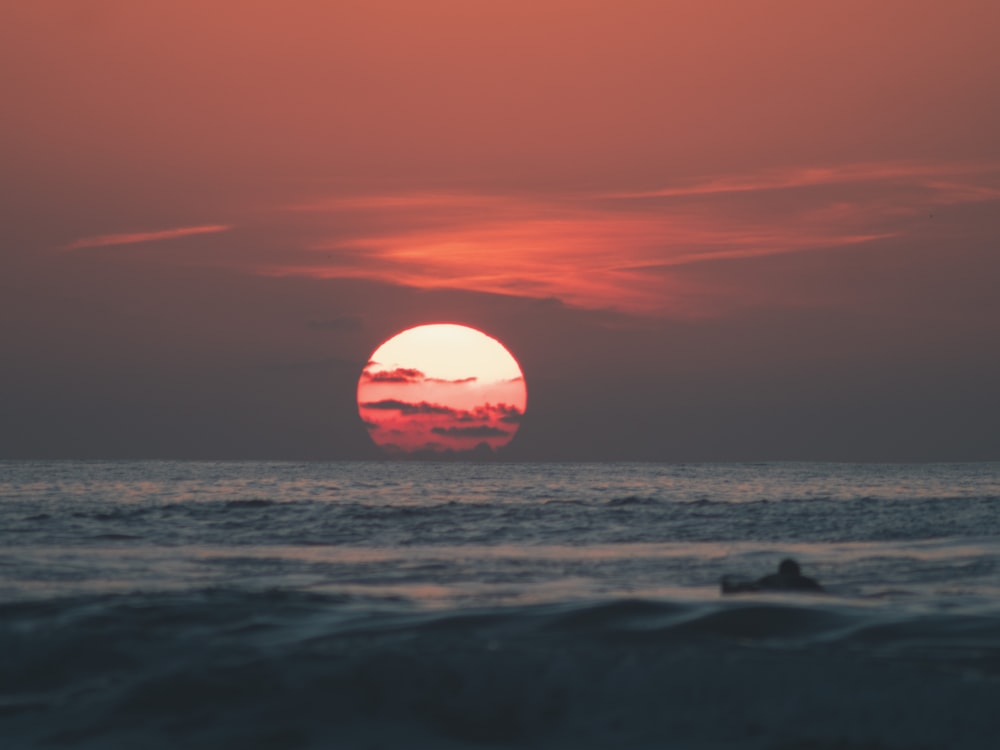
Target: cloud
(408, 409)
(626, 250)
(386, 405)
(930, 175)
(489, 413)
(509, 414)
(408, 376)
(416, 423)
(480, 431)
(106, 240)
(399, 375)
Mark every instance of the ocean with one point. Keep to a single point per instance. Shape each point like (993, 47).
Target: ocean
(458, 605)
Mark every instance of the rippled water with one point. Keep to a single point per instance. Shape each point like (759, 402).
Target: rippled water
(454, 605)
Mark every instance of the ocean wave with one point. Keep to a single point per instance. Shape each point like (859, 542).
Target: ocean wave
(609, 519)
(253, 502)
(223, 668)
(616, 502)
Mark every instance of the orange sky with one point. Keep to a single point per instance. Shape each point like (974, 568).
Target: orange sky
(705, 228)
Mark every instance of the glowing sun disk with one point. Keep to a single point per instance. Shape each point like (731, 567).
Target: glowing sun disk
(441, 389)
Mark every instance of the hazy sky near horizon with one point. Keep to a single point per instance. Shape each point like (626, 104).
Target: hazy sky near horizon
(706, 230)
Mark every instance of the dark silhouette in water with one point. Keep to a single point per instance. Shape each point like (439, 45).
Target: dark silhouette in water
(788, 578)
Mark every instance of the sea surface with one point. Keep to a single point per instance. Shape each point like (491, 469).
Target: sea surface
(497, 605)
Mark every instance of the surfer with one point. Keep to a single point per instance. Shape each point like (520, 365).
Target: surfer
(788, 578)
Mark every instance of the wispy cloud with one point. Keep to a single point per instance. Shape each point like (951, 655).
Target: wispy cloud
(625, 249)
(929, 175)
(131, 238)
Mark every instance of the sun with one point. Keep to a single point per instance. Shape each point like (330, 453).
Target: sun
(442, 389)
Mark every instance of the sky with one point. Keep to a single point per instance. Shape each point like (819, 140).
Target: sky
(722, 231)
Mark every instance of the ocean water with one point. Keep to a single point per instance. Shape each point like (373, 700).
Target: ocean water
(463, 605)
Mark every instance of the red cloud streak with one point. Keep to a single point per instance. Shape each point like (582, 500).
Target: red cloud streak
(626, 250)
(131, 238)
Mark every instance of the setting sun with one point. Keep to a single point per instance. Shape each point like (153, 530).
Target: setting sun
(441, 389)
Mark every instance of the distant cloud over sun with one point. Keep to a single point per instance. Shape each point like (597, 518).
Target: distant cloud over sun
(441, 389)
